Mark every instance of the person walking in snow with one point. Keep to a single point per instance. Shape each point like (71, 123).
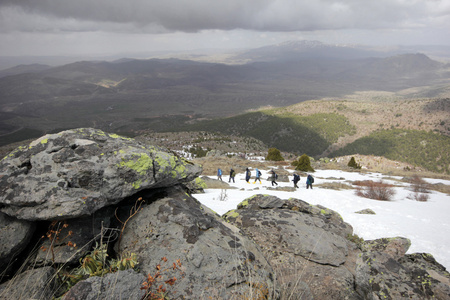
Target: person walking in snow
(248, 174)
(274, 177)
(296, 180)
(257, 176)
(232, 175)
(219, 174)
(309, 181)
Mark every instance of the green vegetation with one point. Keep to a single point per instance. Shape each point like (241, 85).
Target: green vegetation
(352, 164)
(303, 164)
(274, 154)
(283, 133)
(425, 149)
(328, 125)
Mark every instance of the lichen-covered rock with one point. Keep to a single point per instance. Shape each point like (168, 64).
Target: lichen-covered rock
(385, 272)
(32, 284)
(76, 172)
(121, 285)
(306, 244)
(212, 258)
(14, 237)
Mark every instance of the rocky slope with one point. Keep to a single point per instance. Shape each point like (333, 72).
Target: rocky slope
(92, 215)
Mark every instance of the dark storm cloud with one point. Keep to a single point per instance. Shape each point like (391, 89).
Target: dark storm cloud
(197, 15)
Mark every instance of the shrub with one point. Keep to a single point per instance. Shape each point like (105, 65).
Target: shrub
(419, 188)
(274, 154)
(303, 164)
(352, 164)
(374, 190)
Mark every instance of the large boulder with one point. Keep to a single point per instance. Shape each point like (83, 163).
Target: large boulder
(385, 271)
(14, 236)
(312, 253)
(179, 238)
(305, 244)
(76, 172)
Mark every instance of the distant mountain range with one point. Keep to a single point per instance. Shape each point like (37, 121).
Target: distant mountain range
(129, 95)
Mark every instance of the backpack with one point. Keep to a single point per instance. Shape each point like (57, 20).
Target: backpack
(259, 173)
(311, 179)
(276, 176)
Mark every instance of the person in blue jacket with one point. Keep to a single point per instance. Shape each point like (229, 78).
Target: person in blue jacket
(219, 174)
(309, 181)
(257, 176)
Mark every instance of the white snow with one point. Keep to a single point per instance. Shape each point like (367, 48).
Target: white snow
(426, 224)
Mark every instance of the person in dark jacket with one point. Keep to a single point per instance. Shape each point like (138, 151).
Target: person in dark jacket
(274, 177)
(248, 174)
(309, 181)
(296, 179)
(232, 175)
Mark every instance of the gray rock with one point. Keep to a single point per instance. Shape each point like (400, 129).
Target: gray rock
(216, 184)
(76, 172)
(366, 211)
(383, 270)
(305, 244)
(14, 237)
(114, 286)
(215, 259)
(32, 284)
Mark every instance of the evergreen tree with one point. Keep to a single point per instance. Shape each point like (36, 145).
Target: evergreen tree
(352, 164)
(274, 154)
(303, 164)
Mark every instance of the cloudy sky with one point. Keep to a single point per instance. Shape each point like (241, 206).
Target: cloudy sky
(99, 27)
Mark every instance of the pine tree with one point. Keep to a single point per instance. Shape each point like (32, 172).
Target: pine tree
(274, 154)
(352, 164)
(303, 164)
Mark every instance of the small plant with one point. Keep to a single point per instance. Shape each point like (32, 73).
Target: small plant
(356, 239)
(374, 190)
(133, 211)
(419, 188)
(156, 285)
(223, 195)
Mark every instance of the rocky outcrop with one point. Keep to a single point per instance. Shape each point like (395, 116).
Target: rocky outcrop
(76, 172)
(215, 259)
(91, 215)
(310, 250)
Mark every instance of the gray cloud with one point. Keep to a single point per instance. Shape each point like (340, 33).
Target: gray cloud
(196, 15)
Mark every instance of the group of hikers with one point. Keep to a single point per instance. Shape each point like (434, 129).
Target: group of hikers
(273, 177)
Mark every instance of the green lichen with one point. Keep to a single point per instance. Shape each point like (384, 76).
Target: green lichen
(243, 204)
(140, 163)
(137, 184)
(232, 214)
(200, 183)
(44, 141)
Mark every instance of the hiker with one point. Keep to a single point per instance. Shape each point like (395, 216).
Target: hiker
(296, 180)
(248, 174)
(232, 175)
(309, 181)
(274, 177)
(219, 174)
(258, 176)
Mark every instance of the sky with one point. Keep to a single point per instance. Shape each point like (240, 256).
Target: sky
(109, 27)
(426, 224)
